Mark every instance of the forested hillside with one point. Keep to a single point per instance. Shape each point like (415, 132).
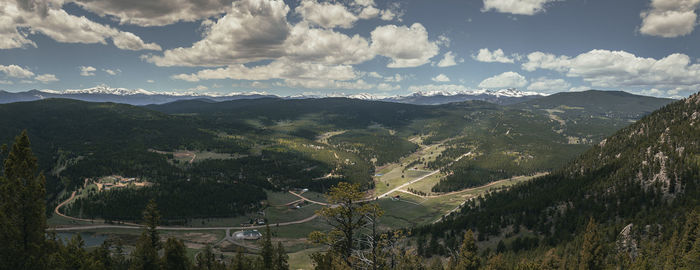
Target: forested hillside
(246, 146)
(643, 179)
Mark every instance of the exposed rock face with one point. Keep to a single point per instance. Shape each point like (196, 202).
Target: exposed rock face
(626, 242)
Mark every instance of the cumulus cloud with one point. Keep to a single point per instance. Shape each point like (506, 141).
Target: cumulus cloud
(16, 71)
(620, 69)
(405, 46)
(87, 71)
(280, 69)
(498, 55)
(670, 18)
(439, 87)
(393, 12)
(441, 78)
(46, 78)
(112, 71)
(517, 7)
(301, 54)
(155, 12)
(252, 30)
(48, 18)
(504, 80)
(579, 88)
(326, 46)
(549, 85)
(327, 15)
(448, 60)
(198, 88)
(542, 60)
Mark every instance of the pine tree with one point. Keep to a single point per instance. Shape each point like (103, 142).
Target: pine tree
(591, 255)
(267, 252)
(240, 262)
(22, 208)
(281, 258)
(175, 255)
(468, 258)
(145, 255)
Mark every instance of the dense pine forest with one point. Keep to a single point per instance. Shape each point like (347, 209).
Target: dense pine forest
(634, 194)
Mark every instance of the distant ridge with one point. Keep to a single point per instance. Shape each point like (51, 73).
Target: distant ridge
(523, 99)
(103, 93)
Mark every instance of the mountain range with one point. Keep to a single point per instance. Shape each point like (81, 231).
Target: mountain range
(103, 93)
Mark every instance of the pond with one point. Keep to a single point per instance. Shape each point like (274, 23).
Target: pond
(90, 239)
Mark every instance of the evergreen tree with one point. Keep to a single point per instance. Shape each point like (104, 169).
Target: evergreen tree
(145, 255)
(240, 262)
(175, 255)
(206, 260)
(281, 258)
(22, 208)
(267, 252)
(346, 219)
(468, 257)
(591, 254)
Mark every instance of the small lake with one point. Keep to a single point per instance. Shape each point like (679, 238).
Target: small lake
(90, 239)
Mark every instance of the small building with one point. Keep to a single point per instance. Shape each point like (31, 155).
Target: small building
(249, 235)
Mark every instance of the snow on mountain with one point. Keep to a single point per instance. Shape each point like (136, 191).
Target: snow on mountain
(105, 93)
(511, 92)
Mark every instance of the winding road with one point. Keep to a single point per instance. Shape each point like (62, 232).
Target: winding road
(134, 226)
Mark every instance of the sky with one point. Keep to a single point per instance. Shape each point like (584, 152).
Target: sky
(384, 48)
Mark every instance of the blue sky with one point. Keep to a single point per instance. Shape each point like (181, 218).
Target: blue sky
(356, 46)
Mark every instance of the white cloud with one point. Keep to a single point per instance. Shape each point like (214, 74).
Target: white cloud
(327, 15)
(542, 60)
(579, 88)
(393, 12)
(199, 88)
(670, 18)
(48, 18)
(504, 80)
(374, 74)
(517, 7)
(46, 78)
(622, 70)
(252, 30)
(439, 87)
(155, 12)
(448, 60)
(87, 71)
(16, 71)
(498, 55)
(549, 85)
(6, 82)
(395, 78)
(280, 69)
(441, 78)
(150, 81)
(326, 46)
(112, 71)
(368, 13)
(407, 47)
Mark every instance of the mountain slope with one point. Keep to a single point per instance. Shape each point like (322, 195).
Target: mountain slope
(647, 174)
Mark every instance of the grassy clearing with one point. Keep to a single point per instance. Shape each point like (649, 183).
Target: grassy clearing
(279, 198)
(285, 214)
(301, 260)
(427, 184)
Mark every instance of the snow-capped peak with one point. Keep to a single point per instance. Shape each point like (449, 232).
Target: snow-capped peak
(510, 92)
(101, 89)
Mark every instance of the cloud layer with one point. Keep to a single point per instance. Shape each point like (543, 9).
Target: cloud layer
(670, 18)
